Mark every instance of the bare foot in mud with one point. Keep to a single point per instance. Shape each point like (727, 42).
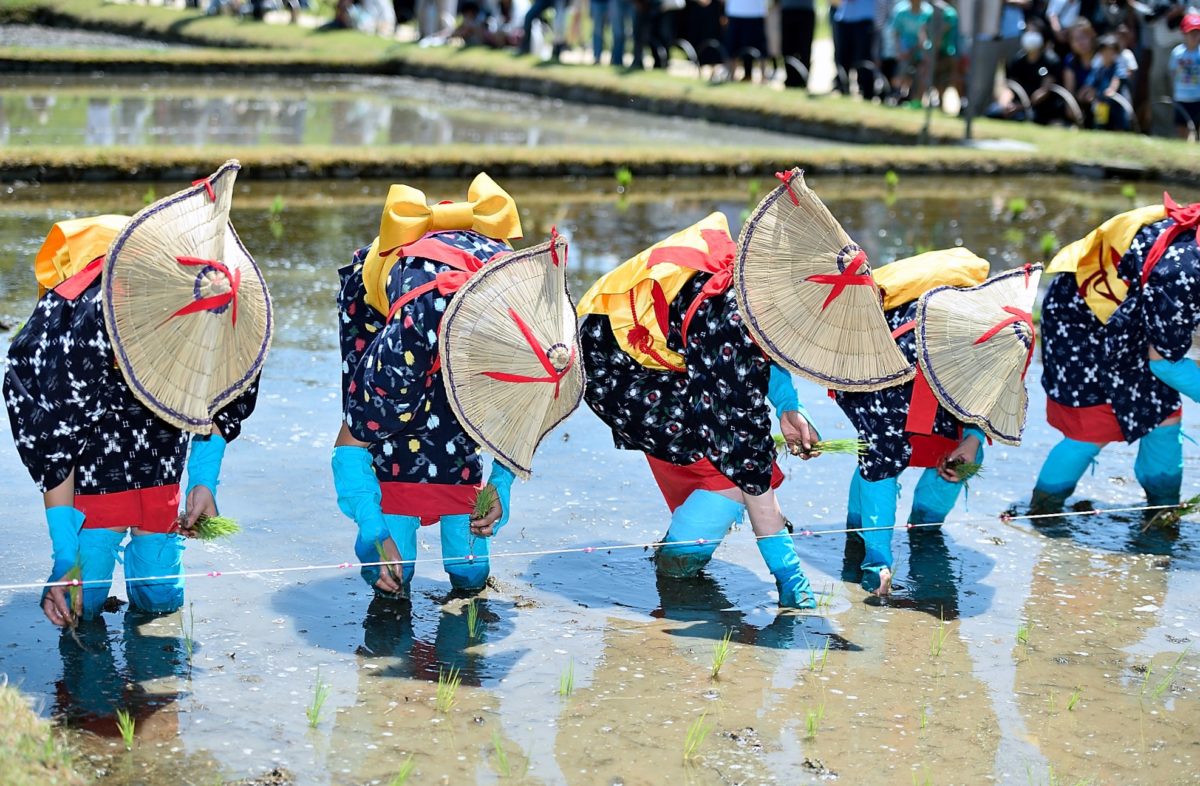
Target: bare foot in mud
(885, 583)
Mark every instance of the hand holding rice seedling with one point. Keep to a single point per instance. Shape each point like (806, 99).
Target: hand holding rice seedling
(209, 528)
(847, 447)
(485, 500)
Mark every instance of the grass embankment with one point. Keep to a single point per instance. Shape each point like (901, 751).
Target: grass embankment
(31, 753)
(248, 47)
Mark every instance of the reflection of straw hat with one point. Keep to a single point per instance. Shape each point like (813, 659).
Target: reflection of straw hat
(510, 353)
(186, 308)
(806, 293)
(974, 347)
(71, 245)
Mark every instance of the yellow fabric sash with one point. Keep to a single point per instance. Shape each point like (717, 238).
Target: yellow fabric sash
(407, 217)
(905, 280)
(1093, 259)
(71, 245)
(611, 295)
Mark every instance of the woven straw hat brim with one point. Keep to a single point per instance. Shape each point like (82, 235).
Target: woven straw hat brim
(168, 312)
(980, 380)
(834, 334)
(481, 336)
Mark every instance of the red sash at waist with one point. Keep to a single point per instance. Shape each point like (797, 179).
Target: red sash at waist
(678, 482)
(150, 510)
(427, 501)
(1089, 424)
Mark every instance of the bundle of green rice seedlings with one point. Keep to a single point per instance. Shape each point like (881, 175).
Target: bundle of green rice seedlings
(75, 591)
(214, 528)
(484, 501)
(846, 447)
(1172, 516)
(383, 557)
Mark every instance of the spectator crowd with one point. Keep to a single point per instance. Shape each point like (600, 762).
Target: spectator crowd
(1125, 65)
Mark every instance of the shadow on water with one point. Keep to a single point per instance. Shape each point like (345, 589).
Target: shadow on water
(417, 644)
(96, 682)
(1130, 532)
(941, 578)
(725, 597)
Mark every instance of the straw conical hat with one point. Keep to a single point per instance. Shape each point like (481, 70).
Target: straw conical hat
(806, 293)
(510, 353)
(186, 308)
(974, 346)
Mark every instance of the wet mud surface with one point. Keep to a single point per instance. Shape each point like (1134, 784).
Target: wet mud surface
(1059, 653)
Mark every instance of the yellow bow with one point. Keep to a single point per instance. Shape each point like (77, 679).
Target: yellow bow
(407, 218)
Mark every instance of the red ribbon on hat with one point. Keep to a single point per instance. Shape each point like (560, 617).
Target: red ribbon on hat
(718, 261)
(847, 278)
(212, 302)
(553, 375)
(1185, 217)
(1017, 316)
(786, 179)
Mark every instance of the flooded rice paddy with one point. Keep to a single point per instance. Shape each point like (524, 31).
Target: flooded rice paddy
(1056, 655)
(107, 110)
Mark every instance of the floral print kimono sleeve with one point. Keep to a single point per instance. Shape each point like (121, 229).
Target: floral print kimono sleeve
(1172, 298)
(59, 367)
(727, 378)
(391, 383)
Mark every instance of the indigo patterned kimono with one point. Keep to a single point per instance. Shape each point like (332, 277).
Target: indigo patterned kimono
(716, 409)
(1087, 363)
(70, 408)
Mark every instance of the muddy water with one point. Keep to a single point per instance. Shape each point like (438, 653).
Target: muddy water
(108, 110)
(933, 687)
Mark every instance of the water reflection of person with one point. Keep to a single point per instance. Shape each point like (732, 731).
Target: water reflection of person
(394, 713)
(908, 425)
(1118, 321)
(673, 371)
(94, 685)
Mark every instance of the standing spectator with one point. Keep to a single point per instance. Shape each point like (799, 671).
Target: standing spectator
(1185, 71)
(855, 31)
(1061, 15)
(949, 64)
(910, 26)
(620, 17)
(1034, 69)
(988, 54)
(649, 30)
(798, 20)
(1164, 20)
(536, 11)
(745, 29)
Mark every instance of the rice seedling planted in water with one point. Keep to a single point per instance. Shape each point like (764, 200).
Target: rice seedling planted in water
(566, 681)
(1165, 683)
(1074, 699)
(1023, 635)
(624, 177)
(812, 720)
(472, 620)
(1172, 516)
(404, 773)
(697, 732)
(939, 638)
(320, 694)
(501, 756)
(125, 725)
(817, 663)
(447, 687)
(210, 528)
(720, 653)
(186, 633)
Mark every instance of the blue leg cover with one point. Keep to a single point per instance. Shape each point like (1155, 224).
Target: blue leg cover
(854, 502)
(1159, 464)
(403, 532)
(1061, 471)
(97, 558)
(780, 555)
(878, 500)
(464, 556)
(703, 515)
(155, 555)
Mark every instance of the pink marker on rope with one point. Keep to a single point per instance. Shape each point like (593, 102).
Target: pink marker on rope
(212, 574)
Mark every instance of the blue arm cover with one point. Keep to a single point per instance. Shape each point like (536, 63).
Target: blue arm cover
(358, 492)
(65, 523)
(204, 463)
(1183, 375)
(975, 431)
(782, 394)
(502, 478)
